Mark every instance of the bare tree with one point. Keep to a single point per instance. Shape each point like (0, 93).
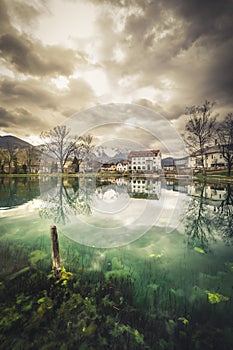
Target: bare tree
(3, 160)
(225, 134)
(31, 155)
(59, 143)
(11, 152)
(87, 144)
(84, 151)
(200, 128)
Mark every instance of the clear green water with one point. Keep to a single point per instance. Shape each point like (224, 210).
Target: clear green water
(165, 283)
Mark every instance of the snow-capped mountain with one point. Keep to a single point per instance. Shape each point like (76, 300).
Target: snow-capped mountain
(107, 153)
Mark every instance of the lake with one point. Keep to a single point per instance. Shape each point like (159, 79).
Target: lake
(148, 263)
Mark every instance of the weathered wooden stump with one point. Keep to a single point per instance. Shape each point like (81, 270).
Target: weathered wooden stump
(56, 263)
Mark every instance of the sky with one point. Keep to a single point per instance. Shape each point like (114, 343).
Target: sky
(61, 57)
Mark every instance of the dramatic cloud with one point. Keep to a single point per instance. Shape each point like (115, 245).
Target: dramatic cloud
(19, 121)
(59, 57)
(5, 117)
(33, 58)
(181, 44)
(27, 92)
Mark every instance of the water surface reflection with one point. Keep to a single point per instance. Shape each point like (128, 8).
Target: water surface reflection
(177, 283)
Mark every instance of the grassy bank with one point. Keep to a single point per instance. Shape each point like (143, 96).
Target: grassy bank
(219, 176)
(98, 175)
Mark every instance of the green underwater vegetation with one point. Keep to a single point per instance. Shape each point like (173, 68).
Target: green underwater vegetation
(199, 250)
(108, 305)
(215, 298)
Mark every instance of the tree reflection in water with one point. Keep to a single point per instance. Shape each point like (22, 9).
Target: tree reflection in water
(224, 215)
(67, 197)
(199, 220)
(209, 215)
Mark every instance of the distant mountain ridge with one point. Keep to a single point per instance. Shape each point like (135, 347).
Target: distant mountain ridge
(169, 161)
(113, 154)
(9, 140)
(102, 153)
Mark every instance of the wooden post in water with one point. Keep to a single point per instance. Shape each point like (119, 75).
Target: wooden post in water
(56, 263)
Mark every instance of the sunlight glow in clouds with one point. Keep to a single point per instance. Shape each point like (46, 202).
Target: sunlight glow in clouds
(59, 57)
(96, 78)
(61, 82)
(68, 19)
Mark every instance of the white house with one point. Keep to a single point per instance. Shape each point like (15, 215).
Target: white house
(145, 161)
(122, 166)
(213, 158)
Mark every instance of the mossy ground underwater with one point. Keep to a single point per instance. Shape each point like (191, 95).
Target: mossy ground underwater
(102, 302)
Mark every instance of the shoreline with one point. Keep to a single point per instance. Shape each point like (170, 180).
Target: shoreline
(209, 178)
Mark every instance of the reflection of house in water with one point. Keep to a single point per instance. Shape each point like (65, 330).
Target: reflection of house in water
(147, 188)
(177, 186)
(122, 182)
(214, 192)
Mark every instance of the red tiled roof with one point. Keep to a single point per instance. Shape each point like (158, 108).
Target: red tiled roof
(146, 153)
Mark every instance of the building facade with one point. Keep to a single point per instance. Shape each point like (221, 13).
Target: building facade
(148, 161)
(213, 158)
(122, 166)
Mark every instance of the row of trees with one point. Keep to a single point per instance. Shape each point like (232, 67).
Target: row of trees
(202, 129)
(58, 146)
(18, 160)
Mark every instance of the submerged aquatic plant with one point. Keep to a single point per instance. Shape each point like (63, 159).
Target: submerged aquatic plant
(215, 298)
(36, 255)
(199, 250)
(229, 266)
(184, 320)
(19, 273)
(156, 256)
